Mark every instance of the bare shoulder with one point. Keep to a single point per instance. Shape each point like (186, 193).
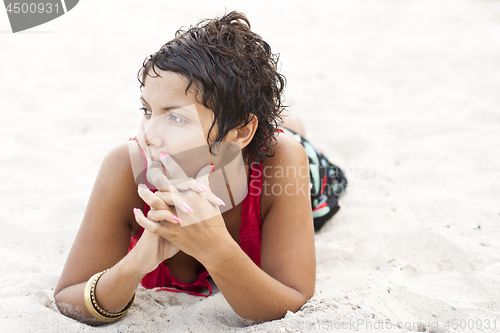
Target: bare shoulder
(104, 234)
(119, 160)
(287, 151)
(281, 171)
(117, 179)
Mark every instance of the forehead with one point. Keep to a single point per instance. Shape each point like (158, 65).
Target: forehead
(167, 87)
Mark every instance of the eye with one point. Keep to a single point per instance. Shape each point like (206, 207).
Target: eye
(146, 112)
(175, 119)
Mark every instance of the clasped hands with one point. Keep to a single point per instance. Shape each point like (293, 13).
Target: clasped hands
(179, 204)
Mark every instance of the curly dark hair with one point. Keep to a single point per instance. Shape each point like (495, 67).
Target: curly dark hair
(235, 74)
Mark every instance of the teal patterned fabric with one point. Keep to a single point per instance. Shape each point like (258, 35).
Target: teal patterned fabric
(327, 182)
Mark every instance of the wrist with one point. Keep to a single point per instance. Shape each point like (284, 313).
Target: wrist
(93, 307)
(221, 253)
(132, 266)
(113, 289)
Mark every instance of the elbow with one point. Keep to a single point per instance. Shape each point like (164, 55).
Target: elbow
(304, 295)
(277, 310)
(63, 307)
(308, 292)
(78, 314)
(74, 311)
(307, 295)
(301, 299)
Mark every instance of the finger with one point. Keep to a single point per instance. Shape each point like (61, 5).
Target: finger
(213, 199)
(146, 223)
(163, 215)
(172, 167)
(179, 202)
(142, 220)
(191, 184)
(166, 197)
(181, 184)
(150, 198)
(156, 177)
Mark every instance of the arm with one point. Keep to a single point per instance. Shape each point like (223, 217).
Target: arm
(287, 278)
(288, 274)
(102, 242)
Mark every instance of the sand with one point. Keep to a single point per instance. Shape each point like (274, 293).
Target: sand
(404, 95)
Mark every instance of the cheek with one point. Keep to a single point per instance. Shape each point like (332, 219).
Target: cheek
(184, 138)
(205, 120)
(189, 149)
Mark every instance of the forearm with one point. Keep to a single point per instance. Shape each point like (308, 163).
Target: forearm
(114, 291)
(251, 292)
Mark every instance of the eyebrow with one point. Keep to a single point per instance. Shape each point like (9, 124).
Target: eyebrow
(167, 108)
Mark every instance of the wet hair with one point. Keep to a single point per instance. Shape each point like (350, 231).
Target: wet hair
(235, 74)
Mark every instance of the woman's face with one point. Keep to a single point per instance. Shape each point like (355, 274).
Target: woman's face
(174, 122)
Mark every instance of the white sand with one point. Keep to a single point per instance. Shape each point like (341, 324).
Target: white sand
(404, 95)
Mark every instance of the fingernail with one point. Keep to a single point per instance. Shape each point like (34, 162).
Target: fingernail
(219, 200)
(163, 155)
(136, 211)
(189, 209)
(176, 219)
(203, 187)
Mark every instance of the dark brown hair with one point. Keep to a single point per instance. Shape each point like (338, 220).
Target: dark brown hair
(235, 74)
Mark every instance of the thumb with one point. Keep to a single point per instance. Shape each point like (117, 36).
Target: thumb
(156, 177)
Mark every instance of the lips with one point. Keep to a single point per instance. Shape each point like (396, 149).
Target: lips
(154, 171)
(155, 164)
(152, 161)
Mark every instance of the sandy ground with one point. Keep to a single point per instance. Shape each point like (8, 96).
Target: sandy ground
(404, 95)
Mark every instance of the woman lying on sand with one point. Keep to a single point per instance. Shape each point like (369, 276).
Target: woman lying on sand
(223, 191)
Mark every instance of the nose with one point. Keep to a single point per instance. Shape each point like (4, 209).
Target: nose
(151, 134)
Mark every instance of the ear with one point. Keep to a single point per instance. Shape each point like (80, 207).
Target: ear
(243, 135)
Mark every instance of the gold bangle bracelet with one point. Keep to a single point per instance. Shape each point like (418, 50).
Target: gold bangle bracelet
(91, 303)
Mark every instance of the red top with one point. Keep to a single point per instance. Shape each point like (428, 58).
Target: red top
(250, 241)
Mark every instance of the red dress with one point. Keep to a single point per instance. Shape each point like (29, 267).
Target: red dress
(250, 241)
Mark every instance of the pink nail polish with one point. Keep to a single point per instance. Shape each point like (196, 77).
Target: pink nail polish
(203, 187)
(189, 209)
(163, 155)
(136, 211)
(219, 200)
(176, 219)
